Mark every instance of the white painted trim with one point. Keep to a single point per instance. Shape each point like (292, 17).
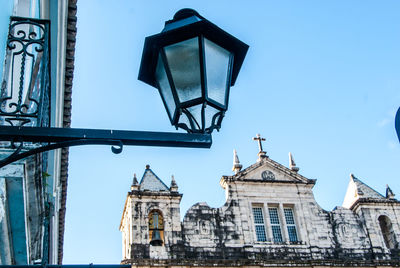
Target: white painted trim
(61, 53)
(59, 113)
(5, 251)
(44, 9)
(22, 8)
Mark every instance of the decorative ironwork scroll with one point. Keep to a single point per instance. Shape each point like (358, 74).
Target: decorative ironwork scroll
(191, 124)
(25, 88)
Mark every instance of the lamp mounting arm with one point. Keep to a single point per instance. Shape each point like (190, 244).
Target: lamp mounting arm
(49, 138)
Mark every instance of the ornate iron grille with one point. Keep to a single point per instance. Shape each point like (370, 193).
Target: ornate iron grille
(25, 89)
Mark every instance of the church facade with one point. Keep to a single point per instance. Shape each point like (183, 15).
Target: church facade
(270, 218)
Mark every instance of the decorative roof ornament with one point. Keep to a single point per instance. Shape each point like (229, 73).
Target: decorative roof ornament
(174, 186)
(135, 183)
(261, 154)
(236, 163)
(292, 164)
(135, 180)
(389, 192)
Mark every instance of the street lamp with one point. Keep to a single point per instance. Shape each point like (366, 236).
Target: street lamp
(193, 63)
(397, 123)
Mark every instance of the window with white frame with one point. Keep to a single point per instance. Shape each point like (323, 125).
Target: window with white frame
(275, 224)
(259, 224)
(290, 224)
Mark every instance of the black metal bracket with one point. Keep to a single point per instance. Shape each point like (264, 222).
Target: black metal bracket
(48, 138)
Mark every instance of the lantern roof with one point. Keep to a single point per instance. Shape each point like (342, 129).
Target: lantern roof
(186, 24)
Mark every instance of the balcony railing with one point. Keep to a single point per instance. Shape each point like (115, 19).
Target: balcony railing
(25, 88)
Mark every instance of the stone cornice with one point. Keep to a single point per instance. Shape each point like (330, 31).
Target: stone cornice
(154, 194)
(240, 176)
(374, 201)
(267, 181)
(260, 263)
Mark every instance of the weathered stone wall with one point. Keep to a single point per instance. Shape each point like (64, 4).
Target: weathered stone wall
(228, 232)
(350, 238)
(135, 224)
(369, 213)
(226, 236)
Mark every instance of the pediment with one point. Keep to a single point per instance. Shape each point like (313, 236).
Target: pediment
(151, 182)
(268, 170)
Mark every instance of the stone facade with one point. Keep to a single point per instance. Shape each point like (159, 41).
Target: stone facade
(270, 218)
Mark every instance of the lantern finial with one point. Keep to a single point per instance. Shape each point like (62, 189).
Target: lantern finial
(185, 13)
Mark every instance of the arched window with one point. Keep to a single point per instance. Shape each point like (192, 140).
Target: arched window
(387, 232)
(156, 228)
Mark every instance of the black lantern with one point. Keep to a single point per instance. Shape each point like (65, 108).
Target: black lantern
(193, 63)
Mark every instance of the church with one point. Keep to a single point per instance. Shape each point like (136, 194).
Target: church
(270, 218)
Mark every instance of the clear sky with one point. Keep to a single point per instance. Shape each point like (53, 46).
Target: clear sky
(321, 80)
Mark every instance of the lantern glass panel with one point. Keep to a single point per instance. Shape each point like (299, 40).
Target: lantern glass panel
(183, 119)
(184, 65)
(196, 112)
(210, 112)
(217, 67)
(192, 117)
(164, 87)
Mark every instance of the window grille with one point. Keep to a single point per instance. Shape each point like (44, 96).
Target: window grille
(259, 224)
(275, 225)
(291, 225)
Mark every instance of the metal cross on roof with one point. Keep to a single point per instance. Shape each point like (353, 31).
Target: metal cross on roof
(258, 138)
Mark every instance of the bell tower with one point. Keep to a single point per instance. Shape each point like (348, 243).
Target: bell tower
(380, 214)
(150, 222)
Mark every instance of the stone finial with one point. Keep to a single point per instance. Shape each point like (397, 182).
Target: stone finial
(147, 166)
(389, 192)
(135, 183)
(236, 163)
(292, 164)
(174, 186)
(261, 154)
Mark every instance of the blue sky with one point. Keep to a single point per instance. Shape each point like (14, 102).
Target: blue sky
(321, 80)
